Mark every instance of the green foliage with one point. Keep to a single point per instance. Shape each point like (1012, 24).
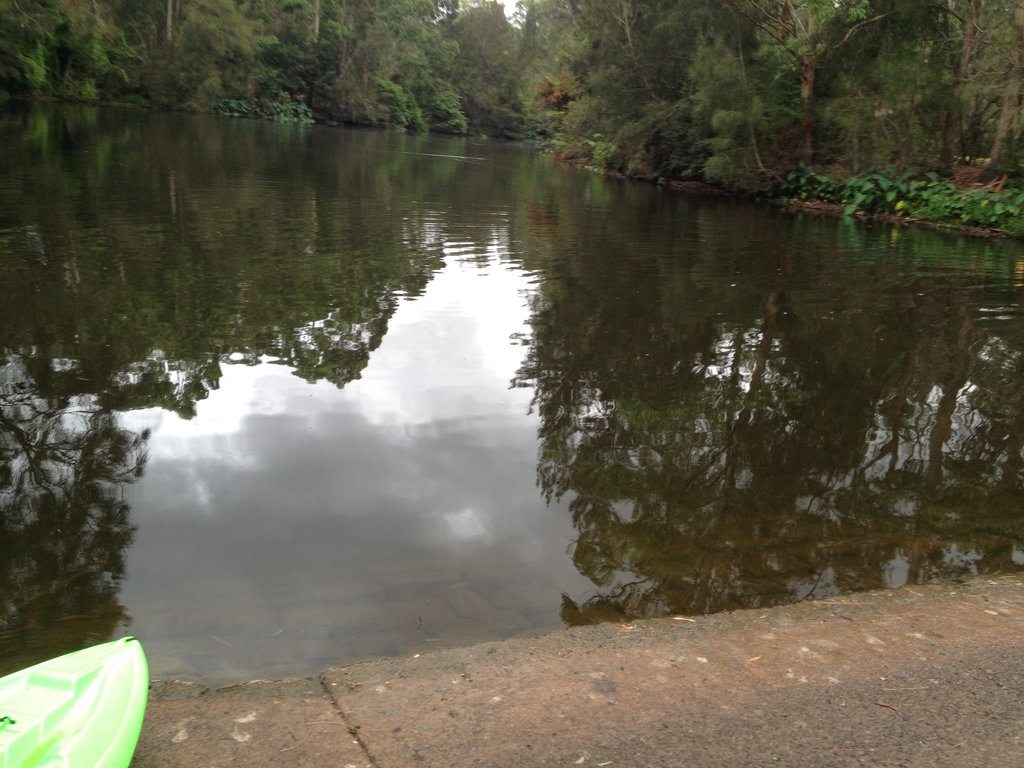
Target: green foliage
(746, 98)
(33, 64)
(937, 200)
(887, 96)
(878, 190)
(991, 208)
(735, 91)
(444, 113)
(486, 71)
(929, 196)
(604, 154)
(283, 111)
(211, 58)
(399, 106)
(808, 184)
(1011, 161)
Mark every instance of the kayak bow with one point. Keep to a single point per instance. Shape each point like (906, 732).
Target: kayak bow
(82, 710)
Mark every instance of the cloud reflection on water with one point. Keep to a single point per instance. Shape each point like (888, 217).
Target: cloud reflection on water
(320, 505)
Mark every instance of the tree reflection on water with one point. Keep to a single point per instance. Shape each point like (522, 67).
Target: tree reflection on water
(64, 523)
(845, 428)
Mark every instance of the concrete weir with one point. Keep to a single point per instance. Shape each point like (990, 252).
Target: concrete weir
(919, 676)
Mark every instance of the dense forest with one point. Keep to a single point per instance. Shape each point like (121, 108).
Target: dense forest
(750, 94)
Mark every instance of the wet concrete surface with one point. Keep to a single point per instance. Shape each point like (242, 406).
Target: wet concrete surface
(919, 676)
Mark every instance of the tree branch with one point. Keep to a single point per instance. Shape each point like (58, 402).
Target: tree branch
(857, 26)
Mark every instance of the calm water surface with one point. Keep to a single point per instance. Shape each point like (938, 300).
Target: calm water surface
(275, 398)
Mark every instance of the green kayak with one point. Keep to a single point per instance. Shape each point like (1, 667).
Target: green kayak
(82, 710)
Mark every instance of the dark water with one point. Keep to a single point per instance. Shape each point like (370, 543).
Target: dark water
(274, 398)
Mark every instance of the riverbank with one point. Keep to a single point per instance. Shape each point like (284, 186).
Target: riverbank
(957, 204)
(916, 676)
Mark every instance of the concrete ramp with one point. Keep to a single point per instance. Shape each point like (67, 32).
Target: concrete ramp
(920, 676)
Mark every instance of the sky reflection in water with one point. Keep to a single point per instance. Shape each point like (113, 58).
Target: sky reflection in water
(382, 492)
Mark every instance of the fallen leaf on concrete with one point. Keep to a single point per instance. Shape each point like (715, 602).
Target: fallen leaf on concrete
(753, 658)
(683, 618)
(890, 706)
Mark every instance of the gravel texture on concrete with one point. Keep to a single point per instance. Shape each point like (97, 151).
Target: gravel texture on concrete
(919, 676)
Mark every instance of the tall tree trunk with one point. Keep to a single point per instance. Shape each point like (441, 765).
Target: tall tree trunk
(807, 28)
(1010, 103)
(794, 27)
(170, 20)
(1009, 108)
(316, 20)
(623, 12)
(805, 143)
(968, 51)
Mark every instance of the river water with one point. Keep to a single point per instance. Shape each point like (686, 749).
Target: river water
(274, 398)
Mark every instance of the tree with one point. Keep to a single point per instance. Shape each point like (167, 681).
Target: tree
(486, 72)
(885, 98)
(744, 107)
(968, 30)
(1006, 154)
(210, 57)
(66, 48)
(631, 107)
(806, 31)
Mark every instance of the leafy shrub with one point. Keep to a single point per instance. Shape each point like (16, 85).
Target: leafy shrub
(1013, 159)
(877, 190)
(989, 208)
(33, 66)
(286, 110)
(807, 184)
(938, 199)
(445, 113)
(291, 112)
(660, 143)
(930, 197)
(605, 153)
(400, 107)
